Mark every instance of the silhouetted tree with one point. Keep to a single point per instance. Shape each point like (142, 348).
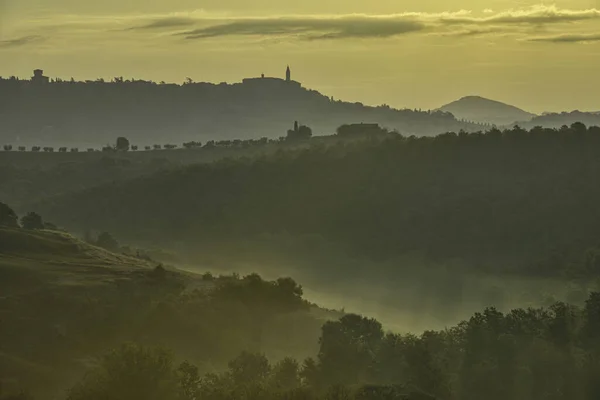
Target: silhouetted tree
(8, 216)
(32, 221)
(106, 241)
(122, 144)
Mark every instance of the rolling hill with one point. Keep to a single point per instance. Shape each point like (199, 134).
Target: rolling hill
(92, 114)
(64, 302)
(482, 110)
(558, 120)
(453, 197)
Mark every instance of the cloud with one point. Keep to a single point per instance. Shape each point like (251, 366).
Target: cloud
(461, 23)
(536, 15)
(526, 24)
(21, 41)
(165, 23)
(314, 28)
(568, 38)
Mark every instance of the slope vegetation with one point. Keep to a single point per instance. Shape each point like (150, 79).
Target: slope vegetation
(63, 302)
(509, 198)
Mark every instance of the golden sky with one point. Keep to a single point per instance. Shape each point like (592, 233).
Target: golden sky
(542, 56)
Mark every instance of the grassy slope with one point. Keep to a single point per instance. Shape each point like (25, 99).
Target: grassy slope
(63, 302)
(42, 272)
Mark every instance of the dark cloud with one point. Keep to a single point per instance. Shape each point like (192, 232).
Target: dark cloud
(166, 23)
(475, 32)
(574, 38)
(17, 42)
(311, 28)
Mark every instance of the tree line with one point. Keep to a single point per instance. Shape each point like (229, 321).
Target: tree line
(29, 221)
(122, 144)
(529, 354)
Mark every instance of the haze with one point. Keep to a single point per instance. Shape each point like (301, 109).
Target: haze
(542, 57)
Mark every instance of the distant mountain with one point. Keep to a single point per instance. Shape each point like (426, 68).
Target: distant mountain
(92, 113)
(482, 110)
(557, 120)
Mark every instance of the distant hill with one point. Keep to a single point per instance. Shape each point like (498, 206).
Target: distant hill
(482, 110)
(557, 120)
(92, 113)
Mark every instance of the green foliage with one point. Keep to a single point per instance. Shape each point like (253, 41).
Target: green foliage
(249, 368)
(131, 372)
(449, 197)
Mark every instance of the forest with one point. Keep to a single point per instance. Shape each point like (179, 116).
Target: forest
(452, 225)
(503, 201)
(162, 333)
(525, 354)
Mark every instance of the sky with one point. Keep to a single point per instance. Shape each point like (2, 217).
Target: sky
(541, 56)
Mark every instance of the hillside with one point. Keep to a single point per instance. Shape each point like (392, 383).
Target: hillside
(92, 114)
(452, 197)
(482, 110)
(558, 120)
(25, 176)
(64, 302)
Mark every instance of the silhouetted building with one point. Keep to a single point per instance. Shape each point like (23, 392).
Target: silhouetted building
(265, 81)
(360, 129)
(38, 76)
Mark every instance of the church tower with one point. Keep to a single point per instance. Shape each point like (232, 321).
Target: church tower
(288, 74)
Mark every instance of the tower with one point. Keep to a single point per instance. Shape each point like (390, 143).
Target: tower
(288, 74)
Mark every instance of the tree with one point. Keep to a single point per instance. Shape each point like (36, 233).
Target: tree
(189, 381)
(8, 216)
(286, 374)
(122, 144)
(348, 348)
(131, 372)
(32, 221)
(249, 368)
(106, 241)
